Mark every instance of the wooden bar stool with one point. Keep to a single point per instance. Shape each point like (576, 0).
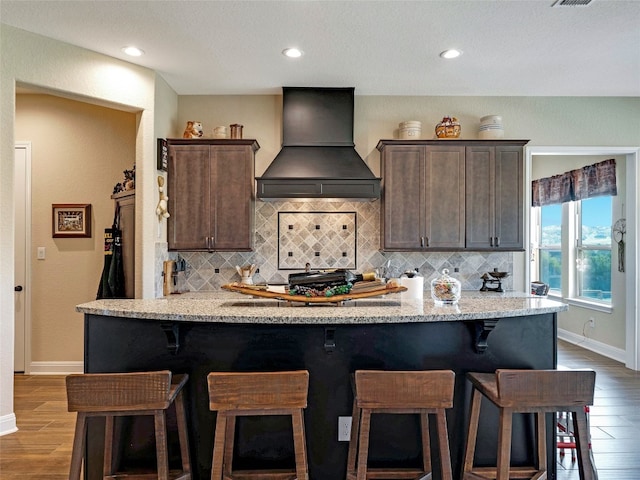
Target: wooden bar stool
(249, 394)
(530, 391)
(112, 395)
(401, 392)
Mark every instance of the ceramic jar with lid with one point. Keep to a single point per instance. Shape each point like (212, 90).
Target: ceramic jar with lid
(410, 130)
(445, 290)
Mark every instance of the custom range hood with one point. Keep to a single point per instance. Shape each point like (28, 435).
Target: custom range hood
(318, 159)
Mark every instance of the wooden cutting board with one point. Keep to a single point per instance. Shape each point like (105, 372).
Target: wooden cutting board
(260, 291)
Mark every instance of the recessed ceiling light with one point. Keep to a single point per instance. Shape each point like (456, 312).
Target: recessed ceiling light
(292, 52)
(132, 51)
(451, 53)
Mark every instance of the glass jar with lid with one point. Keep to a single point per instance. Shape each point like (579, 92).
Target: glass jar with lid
(445, 290)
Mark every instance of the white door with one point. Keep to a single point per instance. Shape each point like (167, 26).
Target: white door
(22, 201)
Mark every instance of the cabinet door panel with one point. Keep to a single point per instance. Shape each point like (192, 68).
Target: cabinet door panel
(189, 192)
(444, 202)
(509, 198)
(232, 195)
(403, 197)
(480, 188)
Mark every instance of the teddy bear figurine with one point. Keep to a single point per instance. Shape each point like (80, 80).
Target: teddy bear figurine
(161, 209)
(193, 130)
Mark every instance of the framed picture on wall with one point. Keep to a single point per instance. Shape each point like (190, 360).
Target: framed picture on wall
(71, 220)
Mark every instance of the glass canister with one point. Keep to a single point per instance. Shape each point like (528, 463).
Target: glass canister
(445, 290)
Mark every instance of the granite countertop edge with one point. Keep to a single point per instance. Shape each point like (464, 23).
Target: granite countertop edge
(229, 307)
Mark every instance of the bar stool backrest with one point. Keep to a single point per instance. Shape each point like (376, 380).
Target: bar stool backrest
(546, 388)
(113, 392)
(405, 389)
(256, 391)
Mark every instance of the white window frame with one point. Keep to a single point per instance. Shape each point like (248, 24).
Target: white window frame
(575, 209)
(536, 248)
(570, 245)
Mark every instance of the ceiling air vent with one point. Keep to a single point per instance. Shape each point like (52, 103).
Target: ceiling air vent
(571, 3)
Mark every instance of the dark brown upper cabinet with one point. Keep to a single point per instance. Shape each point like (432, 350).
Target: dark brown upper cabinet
(211, 194)
(495, 197)
(449, 195)
(423, 204)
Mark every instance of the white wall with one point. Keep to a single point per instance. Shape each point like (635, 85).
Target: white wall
(83, 75)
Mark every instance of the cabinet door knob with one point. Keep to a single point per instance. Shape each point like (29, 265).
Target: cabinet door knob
(422, 242)
(17, 288)
(497, 241)
(491, 241)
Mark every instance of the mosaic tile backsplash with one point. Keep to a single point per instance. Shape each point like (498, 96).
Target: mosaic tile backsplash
(322, 239)
(207, 271)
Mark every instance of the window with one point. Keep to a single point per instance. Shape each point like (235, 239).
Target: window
(593, 249)
(550, 250)
(572, 242)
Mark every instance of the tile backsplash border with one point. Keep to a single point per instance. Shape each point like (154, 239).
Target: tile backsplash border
(208, 271)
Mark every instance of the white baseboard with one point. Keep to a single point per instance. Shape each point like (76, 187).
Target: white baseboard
(600, 348)
(56, 368)
(8, 424)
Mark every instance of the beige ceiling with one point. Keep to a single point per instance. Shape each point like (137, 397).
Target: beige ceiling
(511, 47)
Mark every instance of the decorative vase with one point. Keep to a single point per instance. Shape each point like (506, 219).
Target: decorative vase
(449, 127)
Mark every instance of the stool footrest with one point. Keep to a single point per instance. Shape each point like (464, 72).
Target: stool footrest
(173, 475)
(393, 474)
(273, 474)
(484, 473)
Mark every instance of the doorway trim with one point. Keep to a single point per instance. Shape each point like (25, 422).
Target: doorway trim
(26, 145)
(632, 323)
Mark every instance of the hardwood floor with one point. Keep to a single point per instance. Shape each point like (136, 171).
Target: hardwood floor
(614, 418)
(41, 449)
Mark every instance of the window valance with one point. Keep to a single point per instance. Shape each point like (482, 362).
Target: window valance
(590, 181)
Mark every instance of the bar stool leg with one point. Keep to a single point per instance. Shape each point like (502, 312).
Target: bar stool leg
(443, 445)
(353, 442)
(229, 444)
(541, 428)
(78, 446)
(181, 419)
(363, 443)
(160, 422)
(426, 442)
(218, 446)
(299, 445)
(580, 427)
(109, 435)
(470, 446)
(504, 444)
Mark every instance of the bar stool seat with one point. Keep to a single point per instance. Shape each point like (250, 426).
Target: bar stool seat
(400, 392)
(530, 391)
(252, 394)
(111, 395)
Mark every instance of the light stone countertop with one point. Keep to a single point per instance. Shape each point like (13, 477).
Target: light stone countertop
(230, 307)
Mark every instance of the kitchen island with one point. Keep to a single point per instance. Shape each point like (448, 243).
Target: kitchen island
(224, 331)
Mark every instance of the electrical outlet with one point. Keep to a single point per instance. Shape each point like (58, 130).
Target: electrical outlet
(592, 322)
(344, 429)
